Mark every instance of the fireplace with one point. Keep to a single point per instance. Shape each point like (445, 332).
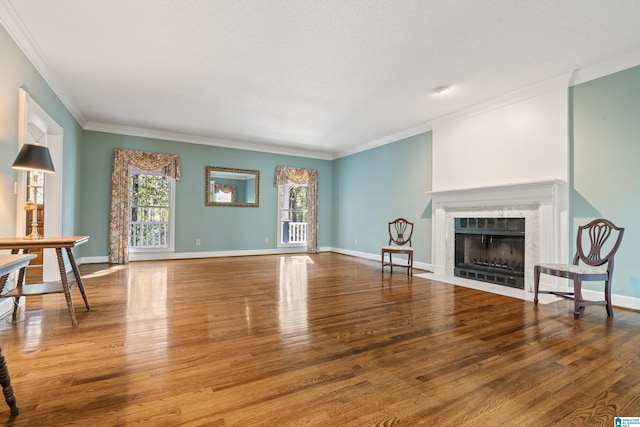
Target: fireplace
(543, 205)
(490, 250)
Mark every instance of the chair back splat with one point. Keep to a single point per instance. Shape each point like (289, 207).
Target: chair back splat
(588, 264)
(397, 230)
(598, 236)
(400, 232)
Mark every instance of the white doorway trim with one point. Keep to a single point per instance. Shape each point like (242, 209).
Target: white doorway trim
(34, 116)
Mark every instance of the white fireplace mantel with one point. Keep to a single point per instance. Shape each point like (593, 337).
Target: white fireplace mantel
(543, 204)
(522, 193)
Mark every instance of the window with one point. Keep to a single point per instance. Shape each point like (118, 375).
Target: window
(224, 193)
(131, 162)
(287, 178)
(150, 211)
(292, 218)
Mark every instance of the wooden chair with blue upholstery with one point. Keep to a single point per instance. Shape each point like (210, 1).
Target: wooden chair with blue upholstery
(400, 232)
(587, 265)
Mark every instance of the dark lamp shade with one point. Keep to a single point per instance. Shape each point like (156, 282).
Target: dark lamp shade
(34, 157)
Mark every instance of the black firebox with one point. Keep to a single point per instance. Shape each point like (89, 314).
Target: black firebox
(490, 250)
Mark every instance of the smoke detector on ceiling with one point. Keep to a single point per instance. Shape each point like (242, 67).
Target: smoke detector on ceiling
(442, 89)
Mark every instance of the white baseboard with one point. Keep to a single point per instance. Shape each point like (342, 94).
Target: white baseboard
(377, 257)
(151, 256)
(92, 260)
(159, 256)
(617, 300)
(623, 301)
(356, 254)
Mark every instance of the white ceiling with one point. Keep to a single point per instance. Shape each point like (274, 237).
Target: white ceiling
(319, 77)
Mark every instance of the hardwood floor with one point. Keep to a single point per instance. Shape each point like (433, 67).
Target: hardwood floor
(312, 340)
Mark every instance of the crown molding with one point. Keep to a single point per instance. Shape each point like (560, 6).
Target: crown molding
(239, 145)
(202, 140)
(385, 140)
(620, 63)
(16, 29)
(560, 82)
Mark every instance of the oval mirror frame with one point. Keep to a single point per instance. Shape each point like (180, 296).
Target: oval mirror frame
(234, 186)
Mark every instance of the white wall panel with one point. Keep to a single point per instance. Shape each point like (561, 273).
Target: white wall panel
(518, 138)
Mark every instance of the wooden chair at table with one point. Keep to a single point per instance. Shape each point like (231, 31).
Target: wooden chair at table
(400, 232)
(587, 265)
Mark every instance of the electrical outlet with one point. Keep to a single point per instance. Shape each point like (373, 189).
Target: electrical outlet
(197, 242)
(355, 242)
(266, 239)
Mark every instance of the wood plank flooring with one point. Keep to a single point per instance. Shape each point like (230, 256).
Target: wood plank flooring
(312, 340)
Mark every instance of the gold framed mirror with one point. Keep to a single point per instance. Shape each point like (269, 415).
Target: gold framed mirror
(231, 187)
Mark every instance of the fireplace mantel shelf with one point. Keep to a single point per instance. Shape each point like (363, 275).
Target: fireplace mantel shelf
(526, 193)
(501, 187)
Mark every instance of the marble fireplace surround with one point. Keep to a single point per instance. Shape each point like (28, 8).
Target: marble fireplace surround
(543, 204)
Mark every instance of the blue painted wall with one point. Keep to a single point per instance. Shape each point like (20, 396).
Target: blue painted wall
(376, 186)
(218, 228)
(16, 72)
(605, 166)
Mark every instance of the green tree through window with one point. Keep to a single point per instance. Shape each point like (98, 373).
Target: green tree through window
(292, 202)
(149, 198)
(298, 203)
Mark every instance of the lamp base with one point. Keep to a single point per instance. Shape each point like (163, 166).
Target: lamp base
(33, 208)
(34, 234)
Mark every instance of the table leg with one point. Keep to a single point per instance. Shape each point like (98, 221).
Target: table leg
(65, 287)
(19, 283)
(78, 277)
(7, 388)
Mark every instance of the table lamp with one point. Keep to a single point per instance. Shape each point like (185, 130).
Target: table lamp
(34, 158)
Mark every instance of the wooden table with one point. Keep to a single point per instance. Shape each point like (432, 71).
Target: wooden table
(16, 244)
(9, 263)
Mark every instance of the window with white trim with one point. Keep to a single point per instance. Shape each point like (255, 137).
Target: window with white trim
(151, 211)
(292, 217)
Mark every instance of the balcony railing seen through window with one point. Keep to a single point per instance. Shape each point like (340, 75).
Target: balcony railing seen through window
(149, 227)
(294, 226)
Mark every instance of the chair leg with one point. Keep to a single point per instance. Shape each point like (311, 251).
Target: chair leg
(607, 295)
(536, 283)
(382, 259)
(577, 297)
(410, 269)
(408, 264)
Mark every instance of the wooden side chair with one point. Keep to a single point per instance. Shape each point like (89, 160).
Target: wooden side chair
(587, 265)
(400, 232)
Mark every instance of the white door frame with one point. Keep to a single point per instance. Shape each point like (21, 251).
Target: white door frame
(30, 113)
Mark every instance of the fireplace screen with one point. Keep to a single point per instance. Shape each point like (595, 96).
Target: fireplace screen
(490, 250)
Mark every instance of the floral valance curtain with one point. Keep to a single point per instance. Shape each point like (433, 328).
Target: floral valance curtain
(285, 174)
(123, 159)
(226, 188)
